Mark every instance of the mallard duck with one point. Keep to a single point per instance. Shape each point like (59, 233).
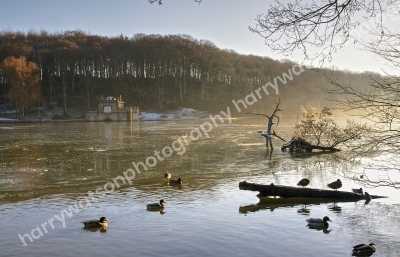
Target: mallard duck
(156, 206)
(102, 223)
(317, 222)
(304, 182)
(175, 182)
(335, 185)
(364, 248)
(357, 191)
(167, 175)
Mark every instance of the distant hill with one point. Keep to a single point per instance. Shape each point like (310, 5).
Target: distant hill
(164, 72)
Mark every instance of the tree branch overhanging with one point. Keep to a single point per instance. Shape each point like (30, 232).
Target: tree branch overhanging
(324, 26)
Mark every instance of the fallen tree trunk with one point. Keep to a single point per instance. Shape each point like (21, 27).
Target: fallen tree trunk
(289, 191)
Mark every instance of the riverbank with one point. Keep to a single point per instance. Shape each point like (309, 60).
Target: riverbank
(40, 114)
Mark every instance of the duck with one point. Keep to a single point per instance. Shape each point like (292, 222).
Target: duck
(156, 206)
(335, 185)
(304, 182)
(102, 223)
(318, 222)
(357, 191)
(167, 175)
(175, 182)
(364, 248)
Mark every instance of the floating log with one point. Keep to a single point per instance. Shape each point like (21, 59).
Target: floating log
(289, 191)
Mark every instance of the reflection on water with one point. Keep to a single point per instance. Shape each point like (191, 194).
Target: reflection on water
(306, 204)
(48, 167)
(325, 230)
(304, 210)
(335, 208)
(101, 230)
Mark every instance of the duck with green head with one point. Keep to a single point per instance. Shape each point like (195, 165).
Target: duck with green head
(102, 223)
(318, 222)
(175, 182)
(156, 206)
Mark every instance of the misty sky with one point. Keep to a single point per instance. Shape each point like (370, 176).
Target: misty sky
(225, 23)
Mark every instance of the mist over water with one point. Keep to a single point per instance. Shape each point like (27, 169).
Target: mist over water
(45, 168)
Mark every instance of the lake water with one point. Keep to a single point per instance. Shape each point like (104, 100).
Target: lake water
(48, 168)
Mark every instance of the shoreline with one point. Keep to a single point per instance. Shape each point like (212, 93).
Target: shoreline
(77, 116)
(84, 120)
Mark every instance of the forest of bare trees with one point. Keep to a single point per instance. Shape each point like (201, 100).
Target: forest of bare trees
(153, 71)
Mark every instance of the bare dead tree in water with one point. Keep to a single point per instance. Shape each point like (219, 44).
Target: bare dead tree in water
(267, 134)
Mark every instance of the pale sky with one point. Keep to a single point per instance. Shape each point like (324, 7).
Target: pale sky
(225, 23)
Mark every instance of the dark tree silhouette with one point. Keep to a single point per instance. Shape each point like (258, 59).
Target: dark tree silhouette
(320, 26)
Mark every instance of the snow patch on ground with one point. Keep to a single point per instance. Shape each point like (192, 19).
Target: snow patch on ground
(37, 114)
(179, 113)
(7, 119)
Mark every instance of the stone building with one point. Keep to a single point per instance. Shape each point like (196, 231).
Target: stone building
(112, 109)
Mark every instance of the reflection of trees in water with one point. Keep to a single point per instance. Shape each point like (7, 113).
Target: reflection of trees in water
(367, 171)
(370, 170)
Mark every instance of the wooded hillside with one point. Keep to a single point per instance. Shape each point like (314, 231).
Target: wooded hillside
(158, 71)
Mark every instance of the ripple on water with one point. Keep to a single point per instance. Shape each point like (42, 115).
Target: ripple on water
(201, 218)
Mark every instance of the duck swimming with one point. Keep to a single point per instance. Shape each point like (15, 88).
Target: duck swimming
(167, 175)
(102, 223)
(304, 182)
(175, 182)
(156, 206)
(335, 185)
(317, 222)
(364, 248)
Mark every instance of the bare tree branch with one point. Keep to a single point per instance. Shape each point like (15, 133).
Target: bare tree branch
(323, 26)
(268, 133)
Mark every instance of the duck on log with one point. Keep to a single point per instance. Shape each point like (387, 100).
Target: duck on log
(289, 191)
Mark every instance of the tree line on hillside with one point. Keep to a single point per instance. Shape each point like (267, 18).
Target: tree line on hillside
(152, 71)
